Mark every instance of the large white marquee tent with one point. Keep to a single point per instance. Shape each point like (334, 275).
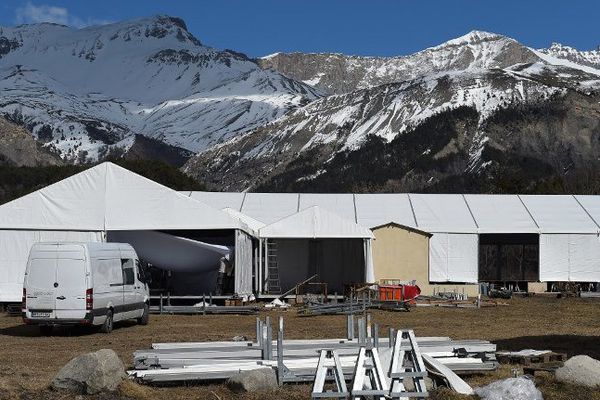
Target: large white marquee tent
(567, 225)
(105, 198)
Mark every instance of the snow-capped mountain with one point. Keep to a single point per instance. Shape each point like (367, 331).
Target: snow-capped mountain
(87, 91)
(338, 73)
(489, 74)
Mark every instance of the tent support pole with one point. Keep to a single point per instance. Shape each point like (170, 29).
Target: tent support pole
(260, 266)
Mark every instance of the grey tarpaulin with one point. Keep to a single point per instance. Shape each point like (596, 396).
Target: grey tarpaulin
(172, 253)
(243, 263)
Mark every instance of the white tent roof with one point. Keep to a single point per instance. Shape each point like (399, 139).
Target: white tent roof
(434, 213)
(270, 207)
(314, 222)
(377, 209)
(591, 204)
(109, 197)
(559, 214)
(220, 200)
(340, 203)
(442, 213)
(252, 223)
(500, 214)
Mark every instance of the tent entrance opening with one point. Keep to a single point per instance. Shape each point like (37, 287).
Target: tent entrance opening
(509, 257)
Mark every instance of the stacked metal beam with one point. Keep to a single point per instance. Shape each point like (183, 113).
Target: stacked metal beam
(295, 360)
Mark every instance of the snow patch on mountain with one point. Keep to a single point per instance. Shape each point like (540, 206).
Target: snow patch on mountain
(88, 89)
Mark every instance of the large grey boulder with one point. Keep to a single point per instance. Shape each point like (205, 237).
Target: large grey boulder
(257, 380)
(91, 373)
(580, 370)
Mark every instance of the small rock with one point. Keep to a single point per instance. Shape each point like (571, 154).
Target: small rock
(91, 373)
(580, 370)
(240, 338)
(262, 379)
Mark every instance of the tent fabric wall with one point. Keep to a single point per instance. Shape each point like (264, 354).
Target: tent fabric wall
(14, 252)
(570, 257)
(453, 258)
(243, 263)
(369, 269)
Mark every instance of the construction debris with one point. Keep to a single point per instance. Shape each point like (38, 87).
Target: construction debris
(453, 380)
(351, 307)
(528, 357)
(204, 309)
(297, 360)
(436, 301)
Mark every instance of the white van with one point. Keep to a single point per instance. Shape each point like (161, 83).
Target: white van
(83, 284)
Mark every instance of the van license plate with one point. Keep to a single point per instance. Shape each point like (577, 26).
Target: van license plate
(39, 314)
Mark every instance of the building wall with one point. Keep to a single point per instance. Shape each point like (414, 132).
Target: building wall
(403, 254)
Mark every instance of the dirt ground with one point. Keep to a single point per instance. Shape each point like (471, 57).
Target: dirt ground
(28, 361)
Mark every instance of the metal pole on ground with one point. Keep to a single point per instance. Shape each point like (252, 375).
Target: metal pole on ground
(280, 352)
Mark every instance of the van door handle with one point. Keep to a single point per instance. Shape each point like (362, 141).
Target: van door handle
(60, 298)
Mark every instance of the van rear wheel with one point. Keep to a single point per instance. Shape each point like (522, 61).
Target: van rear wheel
(46, 330)
(143, 320)
(107, 326)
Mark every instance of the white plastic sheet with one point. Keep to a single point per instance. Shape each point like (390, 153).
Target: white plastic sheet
(453, 258)
(171, 252)
(519, 388)
(14, 252)
(570, 257)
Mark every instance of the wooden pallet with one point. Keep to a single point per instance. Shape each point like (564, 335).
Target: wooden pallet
(530, 360)
(550, 367)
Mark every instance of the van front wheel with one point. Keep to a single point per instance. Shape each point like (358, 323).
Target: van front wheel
(107, 326)
(143, 320)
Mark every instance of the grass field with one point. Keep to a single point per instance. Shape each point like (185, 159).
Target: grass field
(28, 361)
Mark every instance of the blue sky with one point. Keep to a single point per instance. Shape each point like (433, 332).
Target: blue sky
(367, 27)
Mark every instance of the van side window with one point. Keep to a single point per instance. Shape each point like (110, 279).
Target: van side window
(128, 271)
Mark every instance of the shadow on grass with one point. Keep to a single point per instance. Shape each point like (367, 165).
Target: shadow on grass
(572, 345)
(23, 330)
